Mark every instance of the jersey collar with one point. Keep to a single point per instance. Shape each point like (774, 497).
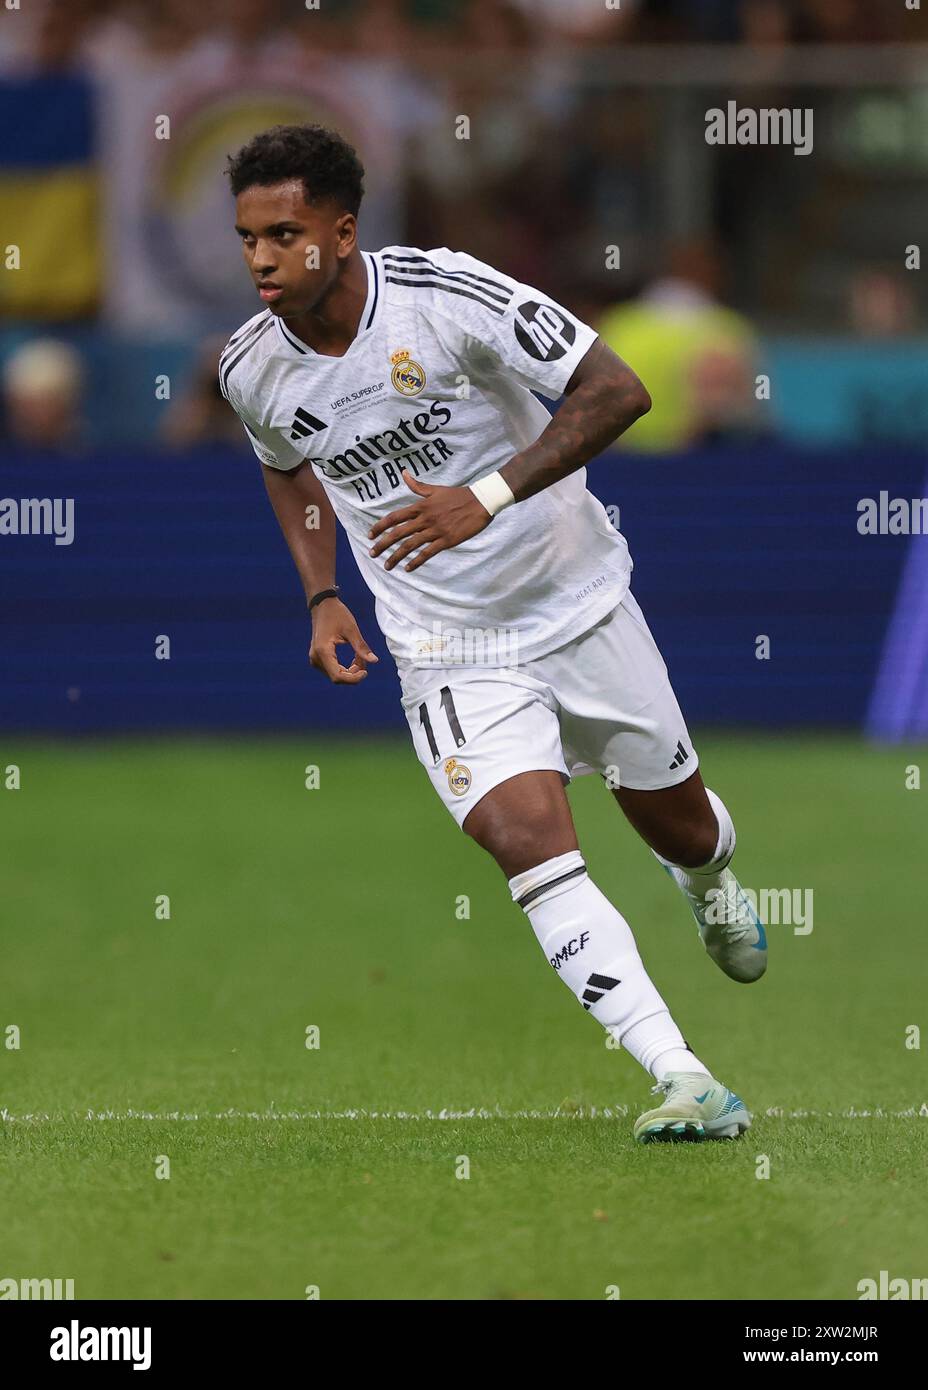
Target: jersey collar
(368, 317)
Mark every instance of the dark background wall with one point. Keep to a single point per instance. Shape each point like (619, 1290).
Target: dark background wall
(727, 546)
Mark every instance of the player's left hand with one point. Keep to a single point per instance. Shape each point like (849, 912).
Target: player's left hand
(441, 517)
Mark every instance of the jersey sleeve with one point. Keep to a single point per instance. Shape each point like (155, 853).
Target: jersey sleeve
(269, 445)
(512, 326)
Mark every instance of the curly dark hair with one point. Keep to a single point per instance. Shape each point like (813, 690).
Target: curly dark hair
(327, 164)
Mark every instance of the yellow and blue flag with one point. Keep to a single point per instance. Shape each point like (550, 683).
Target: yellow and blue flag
(49, 205)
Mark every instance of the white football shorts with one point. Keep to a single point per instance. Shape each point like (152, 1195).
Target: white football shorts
(602, 703)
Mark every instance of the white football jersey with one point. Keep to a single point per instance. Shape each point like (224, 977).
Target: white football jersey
(439, 380)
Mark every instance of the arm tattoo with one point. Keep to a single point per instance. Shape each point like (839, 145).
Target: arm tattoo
(603, 398)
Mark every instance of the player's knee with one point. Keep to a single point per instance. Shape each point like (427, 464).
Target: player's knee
(691, 845)
(517, 846)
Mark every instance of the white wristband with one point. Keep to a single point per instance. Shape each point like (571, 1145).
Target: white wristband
(493, 492)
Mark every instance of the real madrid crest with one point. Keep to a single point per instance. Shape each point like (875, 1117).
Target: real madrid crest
(459, 778)
(408, 377)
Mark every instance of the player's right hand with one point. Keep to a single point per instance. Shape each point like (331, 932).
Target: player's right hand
(333, 625)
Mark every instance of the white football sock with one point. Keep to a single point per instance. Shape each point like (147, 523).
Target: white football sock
(700, 882)
(590, 945)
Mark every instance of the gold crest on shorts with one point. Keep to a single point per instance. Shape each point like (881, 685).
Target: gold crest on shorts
(459, 778)
(408, 377)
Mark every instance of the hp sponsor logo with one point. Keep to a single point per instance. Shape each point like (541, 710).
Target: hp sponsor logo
(543, 331)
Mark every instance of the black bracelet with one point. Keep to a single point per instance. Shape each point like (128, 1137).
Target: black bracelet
(323, 593)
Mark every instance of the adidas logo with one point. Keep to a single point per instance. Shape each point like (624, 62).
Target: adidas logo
(681, 756)
(596, 987)
(305, 424)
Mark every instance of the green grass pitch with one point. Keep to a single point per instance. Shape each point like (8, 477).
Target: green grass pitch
(333, 1167)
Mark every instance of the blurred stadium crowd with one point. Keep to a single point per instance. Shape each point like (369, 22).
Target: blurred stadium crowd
(59, 32)
(586, 132)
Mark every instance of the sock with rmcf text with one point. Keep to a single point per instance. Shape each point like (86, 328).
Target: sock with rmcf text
(591, 946)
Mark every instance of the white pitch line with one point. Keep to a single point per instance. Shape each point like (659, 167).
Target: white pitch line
(592, 1112)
